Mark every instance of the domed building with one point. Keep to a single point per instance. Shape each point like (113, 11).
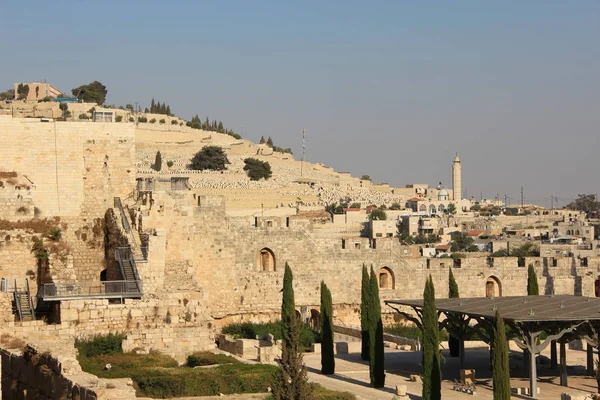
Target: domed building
(443, 195)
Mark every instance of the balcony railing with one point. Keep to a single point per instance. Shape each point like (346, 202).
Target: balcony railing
(102, 290)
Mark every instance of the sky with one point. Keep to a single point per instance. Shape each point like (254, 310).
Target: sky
(392, 89)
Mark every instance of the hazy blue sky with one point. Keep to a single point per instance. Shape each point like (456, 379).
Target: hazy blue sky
(387, 88)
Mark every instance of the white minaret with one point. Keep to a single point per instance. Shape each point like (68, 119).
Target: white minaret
(456, 179)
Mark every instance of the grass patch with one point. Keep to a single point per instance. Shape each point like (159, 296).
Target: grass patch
(249, 330)
(207, 358)
(322, 393)
(411, 332)
(97, 345)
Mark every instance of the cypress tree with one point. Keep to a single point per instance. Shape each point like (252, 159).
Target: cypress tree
(220, 128)
(532, 282)
(365, 306)
(158, 161)
(270, 142)
(169, 111)
(376, 350)
(291, 381)
(152, 106)
(327, 357)
(500, 366)
(453, 342)
(432, 377)
(262, 140)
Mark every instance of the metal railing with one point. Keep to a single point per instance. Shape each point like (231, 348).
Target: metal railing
(126, 254)
(124, 219)
(106, 289)
(10, 285)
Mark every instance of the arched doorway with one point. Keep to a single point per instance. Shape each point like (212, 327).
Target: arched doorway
(315, 319)
(493, 287)
(386, 279)
(432, 209)
(597, 287)
(265, 260)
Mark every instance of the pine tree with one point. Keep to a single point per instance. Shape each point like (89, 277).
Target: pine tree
(500, 366)
(365, 306)
(532, 282)
(262, 140)
(152, 106)
(453, 342)
(220, 128)
(270, 142)
(376, 350)
(291, 381)
(158, 161)
(146, 110)
(206, 125)
(327, 355)
(169, 111)
(432, 377)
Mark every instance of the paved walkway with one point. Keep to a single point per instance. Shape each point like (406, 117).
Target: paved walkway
(352, 375)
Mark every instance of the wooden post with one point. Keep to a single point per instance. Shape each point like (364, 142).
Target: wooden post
(590, 360)
(553, 355)
(563, 364)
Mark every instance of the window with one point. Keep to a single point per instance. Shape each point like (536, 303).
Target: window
(266, 260)
(386, 279)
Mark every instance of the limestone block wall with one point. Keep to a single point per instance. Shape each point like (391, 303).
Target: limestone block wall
(76, 168)
(16, 259)
(33, 374)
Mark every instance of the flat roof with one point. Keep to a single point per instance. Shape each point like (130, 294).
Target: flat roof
(518, 308)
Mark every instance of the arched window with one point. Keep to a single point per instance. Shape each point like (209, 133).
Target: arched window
(265, 260)
(441, 208)
(432, 209)
(386, 279)
(493, 287)
(577, 232)
(422, 207)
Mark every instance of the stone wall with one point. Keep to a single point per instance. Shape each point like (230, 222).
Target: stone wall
(75, 168)
(34, 373)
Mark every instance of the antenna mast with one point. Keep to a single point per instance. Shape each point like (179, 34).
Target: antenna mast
(303, 149)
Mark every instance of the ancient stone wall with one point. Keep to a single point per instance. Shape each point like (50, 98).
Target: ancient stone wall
(75, 168)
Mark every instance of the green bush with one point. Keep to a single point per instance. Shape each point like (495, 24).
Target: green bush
(83, 116)
(257, 169)
(119, 118)
(152, 121)
(412, 332)
(249, 330)
(173, 122)
(169, 164)
(143, 119)
(208, 358)
(211, 158)
(131, 119)
(54, 234)
(378, 215)
(162, 121)
(99, 344)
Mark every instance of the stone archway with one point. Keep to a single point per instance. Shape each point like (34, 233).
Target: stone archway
(315, 319)
(493, 287)
(386, 279)
(265, 260)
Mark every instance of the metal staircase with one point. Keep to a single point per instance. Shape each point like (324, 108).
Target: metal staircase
(129, 273)
(22, 304)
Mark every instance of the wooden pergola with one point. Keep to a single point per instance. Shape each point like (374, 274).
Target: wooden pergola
(561, 318)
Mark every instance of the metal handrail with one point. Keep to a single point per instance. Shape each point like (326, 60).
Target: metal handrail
(6, 287)
(124, 220)
(18, 306)
(30, 300)
(130, 258)
(99, 289)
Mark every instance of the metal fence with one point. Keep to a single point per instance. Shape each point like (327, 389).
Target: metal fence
(11, 285)
(106, 289)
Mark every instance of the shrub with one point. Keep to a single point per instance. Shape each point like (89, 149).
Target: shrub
(152, 121)
(211, 158)
(54, 234)
(208, 358)
(162, 121)
(99, 344)
(395, 206)
(378, 215)
(249, 330)
(257, 169)
(173, 122)
(83, 116)
(143, 119)
(169, 164)
(131, 119)
(119, 118)
(196, 125)
(22, 210)
(157, 162)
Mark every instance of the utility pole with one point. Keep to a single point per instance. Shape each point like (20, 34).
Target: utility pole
(303, 148)
(521, 196)
(552, 201)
